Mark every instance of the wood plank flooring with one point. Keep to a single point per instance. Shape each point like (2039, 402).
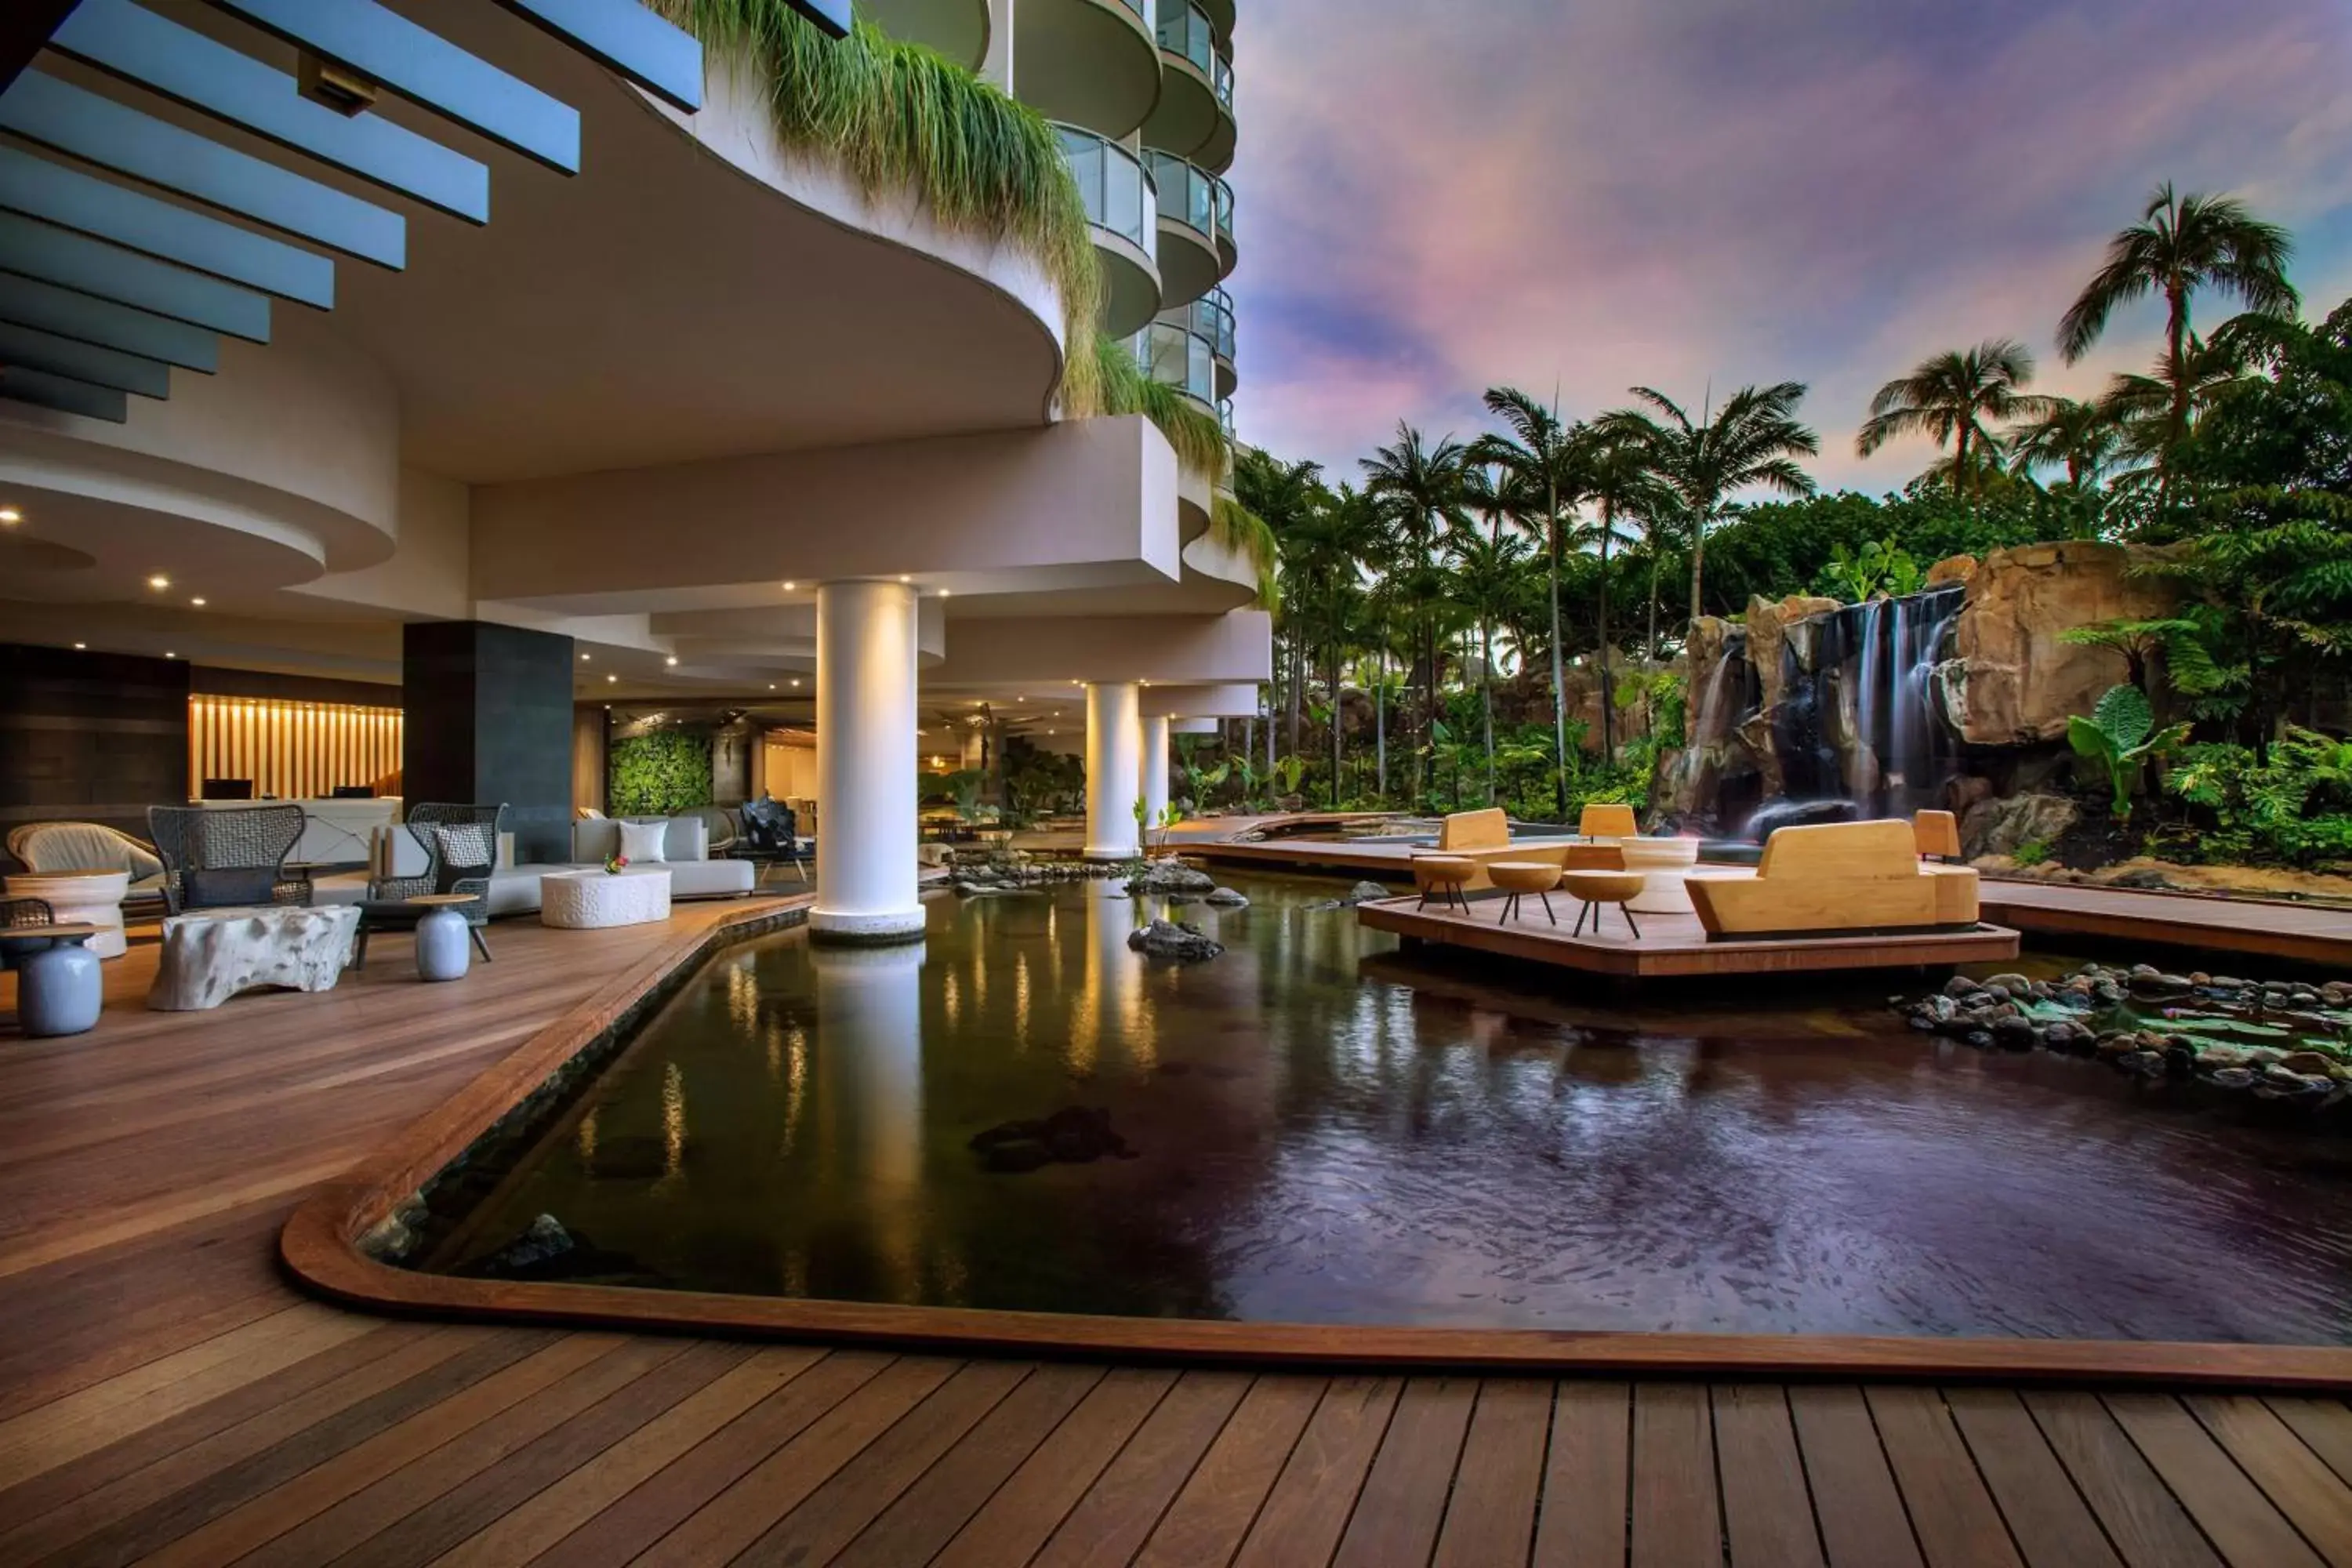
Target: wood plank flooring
(165, 1397)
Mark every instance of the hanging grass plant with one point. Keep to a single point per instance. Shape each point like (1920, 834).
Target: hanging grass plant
(1241, 531)
(902, 117)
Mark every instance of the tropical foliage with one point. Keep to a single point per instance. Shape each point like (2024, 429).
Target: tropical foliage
(660, 773)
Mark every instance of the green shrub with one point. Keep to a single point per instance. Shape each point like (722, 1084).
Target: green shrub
(2035, 852)
(659, 774)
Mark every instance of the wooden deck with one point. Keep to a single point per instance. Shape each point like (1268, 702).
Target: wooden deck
(165, 1397)
(1379, 859)
(1669, 945)
(2267, 928)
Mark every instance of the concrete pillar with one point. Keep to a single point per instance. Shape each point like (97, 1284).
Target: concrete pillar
(866, 888)
(1114, 770)
(1155, 772)
(487, 717)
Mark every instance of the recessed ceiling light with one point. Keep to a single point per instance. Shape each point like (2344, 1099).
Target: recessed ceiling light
(771, 686)
(81, 644)
(10, 517)
(583, 658)
(797, 683)
(159, 581)
(943, 593)
(611, 679)
(671, 660)
(198, 601)
(904, 579)
(169, 654)
(790, 587)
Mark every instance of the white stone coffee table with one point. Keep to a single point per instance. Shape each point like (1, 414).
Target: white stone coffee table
(80, 898)
(210, 955)
(1664, 864)
(592, 900)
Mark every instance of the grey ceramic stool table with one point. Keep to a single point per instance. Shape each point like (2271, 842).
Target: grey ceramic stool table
(441, 936)
(58, 990)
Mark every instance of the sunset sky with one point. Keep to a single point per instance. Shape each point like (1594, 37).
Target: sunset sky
(1596, 192)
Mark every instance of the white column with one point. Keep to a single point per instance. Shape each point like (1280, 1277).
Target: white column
(1155, 772)
(1114, 771)
(865, 888)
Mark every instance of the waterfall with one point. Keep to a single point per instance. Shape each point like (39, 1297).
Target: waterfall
(1900, 756)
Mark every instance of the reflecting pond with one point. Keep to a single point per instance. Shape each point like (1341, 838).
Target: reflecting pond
(1321, 1129)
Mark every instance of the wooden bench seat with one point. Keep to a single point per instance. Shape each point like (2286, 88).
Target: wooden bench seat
(1837, 879)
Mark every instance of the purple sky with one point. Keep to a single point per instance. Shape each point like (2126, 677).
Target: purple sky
(1434, 198)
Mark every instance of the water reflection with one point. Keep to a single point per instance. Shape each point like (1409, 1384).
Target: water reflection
(1330, 1130)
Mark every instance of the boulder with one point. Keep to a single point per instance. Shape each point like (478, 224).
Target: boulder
(1073, 1135)
(2016, 681)
(1951, 569)
(1171, 877)
(1174, 940)
(1227, 899)
(2001, 827)
(1364, 892)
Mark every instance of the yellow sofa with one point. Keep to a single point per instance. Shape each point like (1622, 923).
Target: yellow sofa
(1837, 879)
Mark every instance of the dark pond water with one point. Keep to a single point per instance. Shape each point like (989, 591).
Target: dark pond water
(1326, 1130)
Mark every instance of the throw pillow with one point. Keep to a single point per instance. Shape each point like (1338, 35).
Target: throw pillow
(642, 842)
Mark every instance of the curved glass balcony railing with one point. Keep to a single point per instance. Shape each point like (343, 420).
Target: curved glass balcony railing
(1210, 317)
(1225, 414)
(1140, 7)
(1175, 357)
(1187, 194)
(1184, 30)
(1222, 203)
(1220, 77)
(1119, 192)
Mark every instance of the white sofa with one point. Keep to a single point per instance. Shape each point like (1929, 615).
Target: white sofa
(514, 890)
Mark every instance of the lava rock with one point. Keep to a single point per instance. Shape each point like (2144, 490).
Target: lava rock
(1365, 892)
(1960, 985)
(1073, 1135)
(546, 1250)
(2146, 1064)
(1174, 940)
(1980, 1038)
(1171, 877)
(2153, 984)
(2013, 1034)
(2011, 983)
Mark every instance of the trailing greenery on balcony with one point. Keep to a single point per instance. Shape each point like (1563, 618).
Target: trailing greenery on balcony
(1245, 534)
(900, 116)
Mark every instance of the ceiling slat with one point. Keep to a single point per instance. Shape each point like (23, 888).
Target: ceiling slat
(59, 114)
(101, 321)
(64, 393)
(182, 64)
(428, 69)
(59, 255)
(68, 197)
(623, 36)
(32, 349)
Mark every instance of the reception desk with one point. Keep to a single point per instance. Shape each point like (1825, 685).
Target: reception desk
(335, 832)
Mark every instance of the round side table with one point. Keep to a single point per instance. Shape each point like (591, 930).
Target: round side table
(58, 990)
(441, 936)
(1664, 864)
(80, 898)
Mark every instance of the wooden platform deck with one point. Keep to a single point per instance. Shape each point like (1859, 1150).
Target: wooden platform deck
(165, 1397)
(1669, 945)
(2298, 934)
(1379, 859)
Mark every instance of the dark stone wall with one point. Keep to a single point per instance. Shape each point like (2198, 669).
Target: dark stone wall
(487, 717)
(91, 737)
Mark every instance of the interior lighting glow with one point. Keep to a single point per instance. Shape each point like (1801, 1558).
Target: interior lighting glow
(159, 581)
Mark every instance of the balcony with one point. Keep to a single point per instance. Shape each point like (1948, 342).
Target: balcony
(1217, 152)
(1210, 319)
(1191, 114)
(1122, 205)
(1191, 258)
(1176, 356)
(956, 28)
(1089, 63)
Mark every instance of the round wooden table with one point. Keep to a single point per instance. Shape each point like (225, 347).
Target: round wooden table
(58, 990)
(94, 898)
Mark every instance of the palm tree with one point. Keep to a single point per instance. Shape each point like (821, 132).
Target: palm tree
(2083, 436)
(1285, 495)
(2180, 245)
(1948, 396)
(1756, 440)
(1546, 460)
(1619, 479)
(1421, 484)
(2140, 406)
(1484, 581)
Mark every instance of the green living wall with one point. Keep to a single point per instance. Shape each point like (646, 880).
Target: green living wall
(658, 774)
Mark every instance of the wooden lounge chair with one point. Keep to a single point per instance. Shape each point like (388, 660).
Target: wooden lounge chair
(1484, 837)
(1837, 879)
(1938, 834)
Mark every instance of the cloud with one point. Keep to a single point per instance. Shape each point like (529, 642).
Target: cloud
(1712, 192)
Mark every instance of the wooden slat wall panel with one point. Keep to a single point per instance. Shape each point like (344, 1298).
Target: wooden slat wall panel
(294, 751)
